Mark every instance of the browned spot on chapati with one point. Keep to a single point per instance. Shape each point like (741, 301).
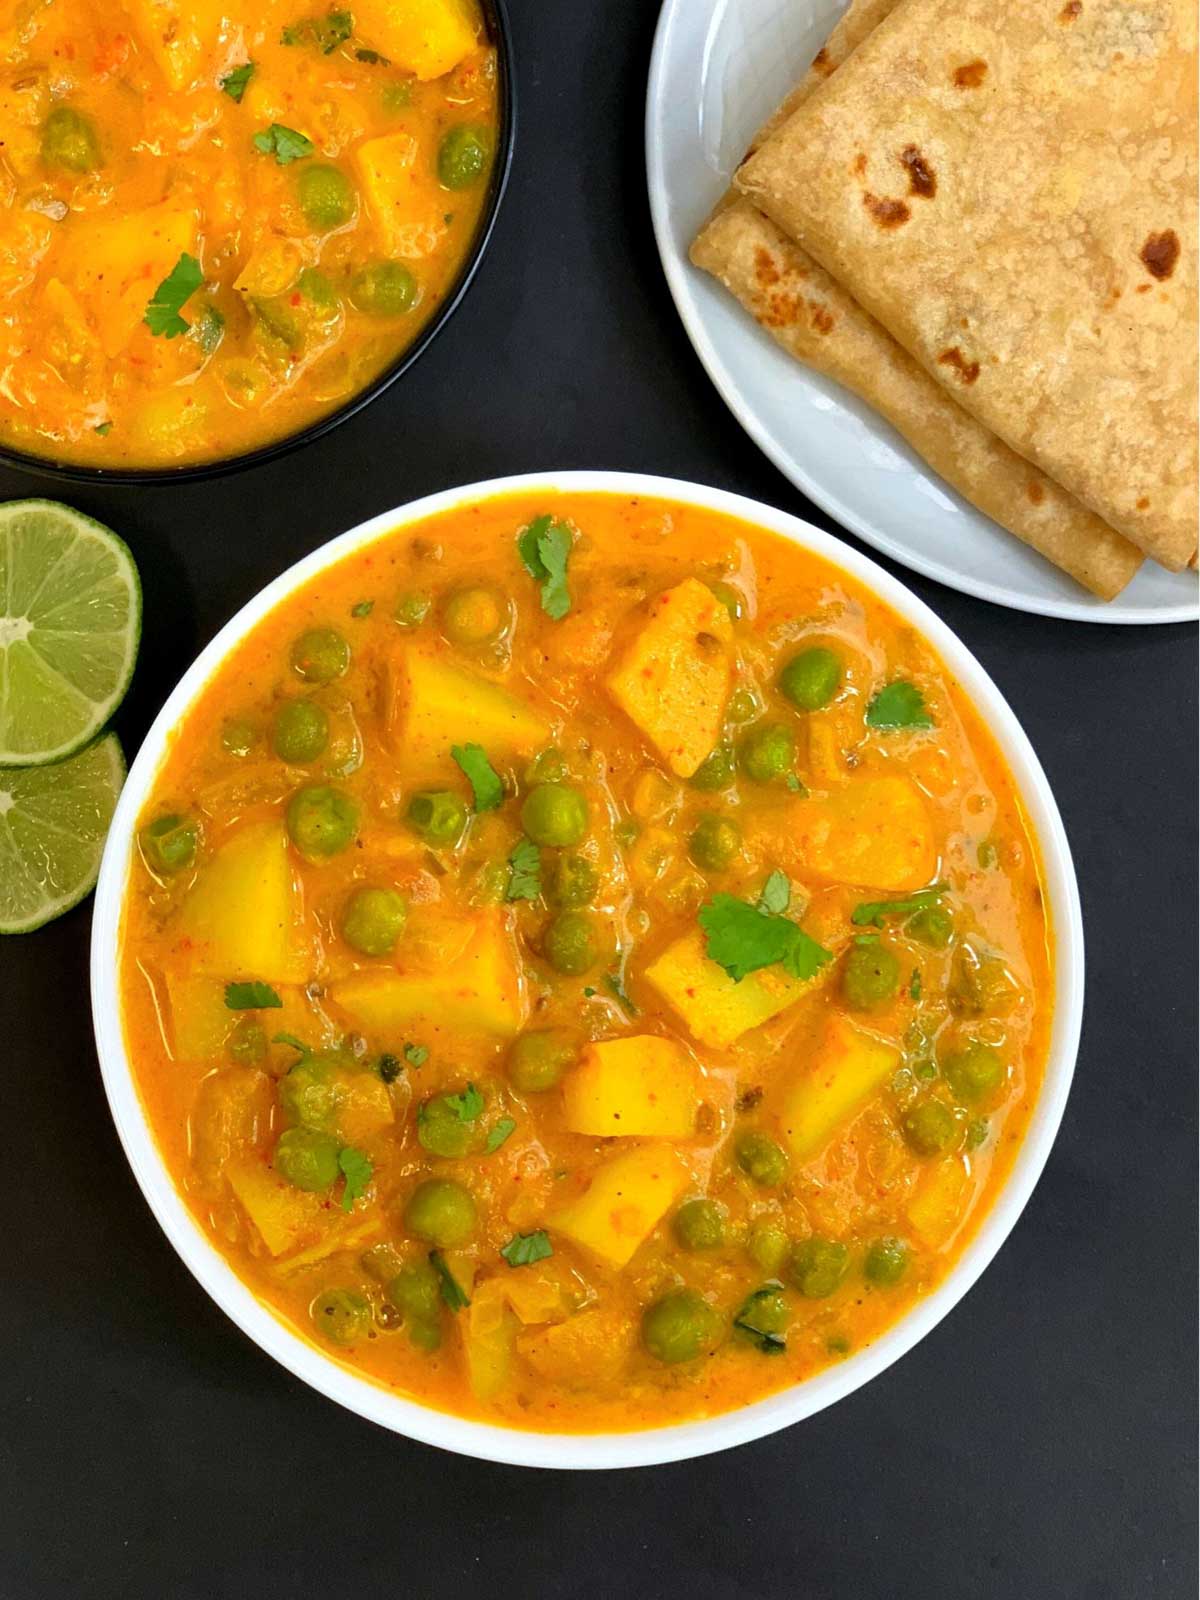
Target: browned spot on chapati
(1160, 253)
(765, 270)
(971, 74)
(922, 179)
(822, 318)
(1143, 503)
(822, 63)
(1070, 11)
(860, 164)
(887, 213)
(967, 371)
(1035, 491)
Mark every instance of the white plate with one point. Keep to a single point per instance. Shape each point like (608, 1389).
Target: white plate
(718, 70)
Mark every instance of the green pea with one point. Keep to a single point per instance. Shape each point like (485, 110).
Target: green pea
(700, 1225)
(311, 1093)
(974, 1073)
(715, 843)
(443, 1132)
(734, 603)
(383, 289)
(322, 821)
(538, 1060)
(412, 609)
(238, 737)
(763, 1317)
(761, 1159)
(886, 1262)
(307, 1159)
(811, 678)
(680, 1327)
(816, 1266)
(320, 655)
(69, 140)
(548, 766)
(716, 771)
(326, 196)
(475, 616)
(743, 706)
(870, 976)
(247, 1043)
(441, 1212)
(569, 943)
(382, 1262)
(767, 1246)
(438, 815)
(169, 843)
(416, 1293)
(463, 155)
(554, 814)
(341, 1316)
(373, 920)
(300, 732)
(767, 752)
(932, 926)
(575, 882)
(931, 1128)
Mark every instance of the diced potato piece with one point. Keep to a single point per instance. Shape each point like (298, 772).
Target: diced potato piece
(350, 1232)
(645, 1086)
(627, 1199)
(717, 1009)
(231, 1118)
(244, 916)
(489, 1338)
(200, 1020)
(588, 1348)
(874, 833)
(406, 206)
(937, 1207)
(182, 39)
(365, 1108)
(534, 1298)
(425, 37)
(432, 704)
(113, 264)
(287, 1219)
(483, 991)
(673, 679)
(849, 1065)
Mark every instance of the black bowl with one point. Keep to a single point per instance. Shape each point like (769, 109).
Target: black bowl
(496, 21)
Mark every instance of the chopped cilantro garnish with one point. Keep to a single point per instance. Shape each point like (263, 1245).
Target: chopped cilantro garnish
(794, 784)
(103, 429)
(499, 1133)
(234, 83)
(524, 871)
(523, 1249)
(467, 1106)
(291, 1039)
(776, 894)
(285, 144)
(614, 982)
(480, 774)
(372, 58)
(871, 913)
(453, 1293)
(899, 705)
(914, 985)
(364, 608)
(416, 1055)
(325, 33)
(252, 997)
(742, 939)
(357, 1170)
(756, 1310)
(162, 314)
(545, 547)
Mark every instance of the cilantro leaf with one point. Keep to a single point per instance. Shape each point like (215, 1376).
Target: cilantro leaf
(749, 1321)
(162, 314)
(235, 83)
(899, 705)
(285, 144)
(523, 1249)
(357, 1170)
(872, 912)
(480, 774)
(416, 1055)
(252, 997)
(524, 871)
(325, 33)
(467, 1106)
(742, 939)
(614, 982)
(500, 1132)
(776, 894)
(453, 1293)
(290, 1038)
(914, 985)
(103, 429)
(545, 548)
(363, 608)
(372, 58)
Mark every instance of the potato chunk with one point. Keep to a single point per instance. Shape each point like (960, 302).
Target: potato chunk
(182, 39)
(848, 1067)
(937, 1207)
(673, 679)
(287, 1219)
(716, 1009)
(231, 1117)
(244, 916)
(627, 1199)
(200, 1021)
(645, 1086)
(424, 37)
(432, 704)
(481, 992)
(875, 833)
(113, 264)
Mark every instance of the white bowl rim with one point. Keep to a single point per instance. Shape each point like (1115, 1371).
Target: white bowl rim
(679, 1441)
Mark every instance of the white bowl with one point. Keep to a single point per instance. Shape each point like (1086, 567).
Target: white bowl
(682, 1440)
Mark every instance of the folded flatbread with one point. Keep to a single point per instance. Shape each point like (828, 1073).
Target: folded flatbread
(816, 321)
(1010, 191)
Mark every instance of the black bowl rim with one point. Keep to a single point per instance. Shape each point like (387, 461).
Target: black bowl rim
(496, 15)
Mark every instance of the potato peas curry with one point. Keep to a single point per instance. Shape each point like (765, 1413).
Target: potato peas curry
(585, 963)
(219, 222)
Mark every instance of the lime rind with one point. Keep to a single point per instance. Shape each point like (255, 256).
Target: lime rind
(53, 824)
(70, 624)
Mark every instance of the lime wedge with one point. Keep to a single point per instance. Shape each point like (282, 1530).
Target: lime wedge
(70, 618)
(53, 822)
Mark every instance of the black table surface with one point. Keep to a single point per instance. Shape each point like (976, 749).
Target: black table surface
(1040, 1442)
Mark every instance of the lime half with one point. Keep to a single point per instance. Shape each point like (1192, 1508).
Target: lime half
(70, 618)
(53, 823)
